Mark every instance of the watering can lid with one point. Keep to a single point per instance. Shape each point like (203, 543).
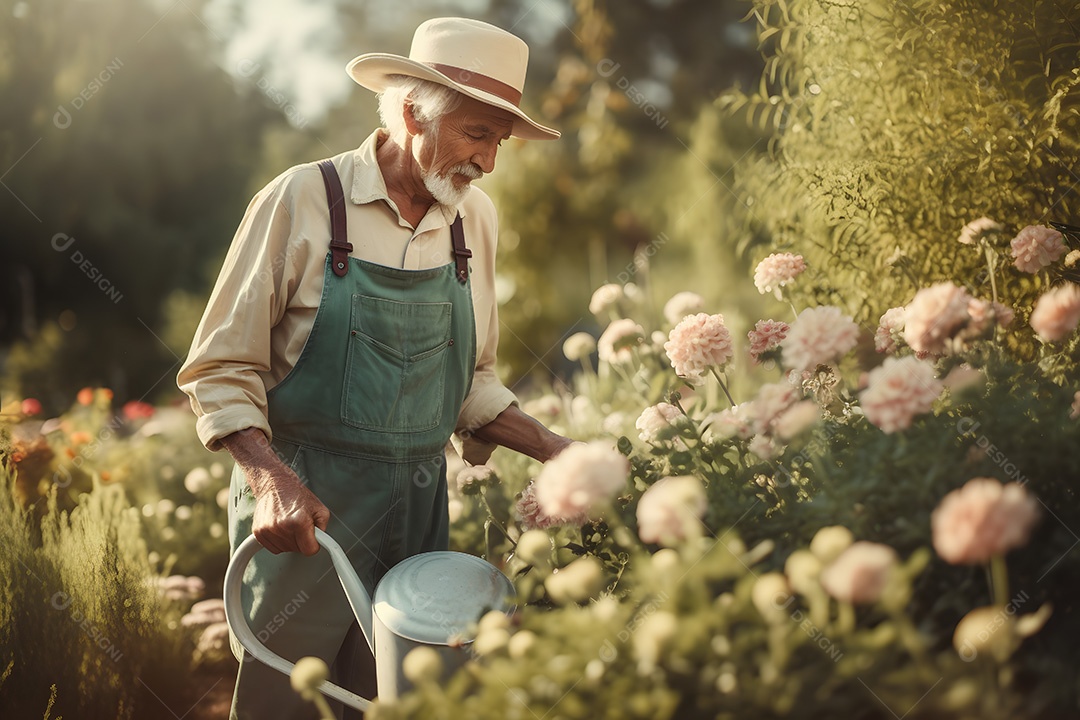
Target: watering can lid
(434, 596)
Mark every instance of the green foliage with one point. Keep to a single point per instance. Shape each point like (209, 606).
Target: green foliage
(679, 633)
(894, 124)
(77, 612)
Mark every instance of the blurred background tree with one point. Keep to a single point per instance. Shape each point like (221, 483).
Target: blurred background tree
(125, 147)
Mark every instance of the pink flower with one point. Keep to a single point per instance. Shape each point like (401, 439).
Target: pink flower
(771, 401)
(766, 336)
(976, 229)
(890, 329)
(982, 519)
(670, 511)
(1075, 414)
(580, 478)
(859, 574)
(764, 446)
(471, 480)
(682, 304)
(897, 391)
(731, 422)
(658, 423)
(799, 417)
(777, 270)
(697, 343)
(30, 407)
(618, 340)
(935, 316)
(532, 516)
(1035, 247)
(1057, 312)
(983, 311)
(818, 336)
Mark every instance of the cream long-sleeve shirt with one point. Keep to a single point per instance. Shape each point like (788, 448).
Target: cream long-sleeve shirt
(263, 305)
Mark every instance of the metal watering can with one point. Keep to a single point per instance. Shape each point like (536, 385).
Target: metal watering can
(425, 600)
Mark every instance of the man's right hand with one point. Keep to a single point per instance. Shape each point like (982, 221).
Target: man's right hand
(286, 515)
(286, 512)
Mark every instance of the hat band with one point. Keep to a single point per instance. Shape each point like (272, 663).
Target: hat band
(478, 81)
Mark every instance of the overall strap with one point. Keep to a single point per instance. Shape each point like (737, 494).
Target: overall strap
(339, 233)
(461, 253)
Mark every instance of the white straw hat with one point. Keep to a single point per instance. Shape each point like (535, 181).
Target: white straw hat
(476, 59)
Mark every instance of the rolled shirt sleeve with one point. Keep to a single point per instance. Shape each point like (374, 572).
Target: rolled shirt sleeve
(225, 375)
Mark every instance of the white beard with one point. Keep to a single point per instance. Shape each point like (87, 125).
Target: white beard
(442, 187)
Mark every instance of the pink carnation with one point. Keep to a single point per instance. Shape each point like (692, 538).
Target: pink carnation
(819, 336)
(982, 519)
(976, 229)
(897, 391)
(983, 311)
(730, 422)
(658, 422)
(859, 574)
(766, 336)
(799, 417)
(580, 478)
(533, 517)
(670, 510)
(697, 343)
(936, 315)
(777, 270)
(890, 327)
(618, 340)
(772, 400)
(1057, 312)
(1035, 247)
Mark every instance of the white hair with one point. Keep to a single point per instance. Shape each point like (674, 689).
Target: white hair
(430, 102)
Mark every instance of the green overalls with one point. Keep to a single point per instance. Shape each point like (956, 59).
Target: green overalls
(362, 419)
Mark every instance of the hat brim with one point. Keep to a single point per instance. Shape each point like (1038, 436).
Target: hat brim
(372, 71)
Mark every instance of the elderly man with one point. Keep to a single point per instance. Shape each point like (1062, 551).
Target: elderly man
(350, 335)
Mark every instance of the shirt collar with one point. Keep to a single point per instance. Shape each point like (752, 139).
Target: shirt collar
(368, 184)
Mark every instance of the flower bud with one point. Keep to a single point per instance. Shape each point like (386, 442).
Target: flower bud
(534, 548)
(771, 597)
(576, 582)
(830, 541)
(307, 675)
(422, 664)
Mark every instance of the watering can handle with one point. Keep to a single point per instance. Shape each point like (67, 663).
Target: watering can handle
(358, 598)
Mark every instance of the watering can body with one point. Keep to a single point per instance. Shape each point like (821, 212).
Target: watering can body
(426, 600)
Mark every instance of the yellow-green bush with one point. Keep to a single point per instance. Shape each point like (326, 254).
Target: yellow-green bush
(78, 613)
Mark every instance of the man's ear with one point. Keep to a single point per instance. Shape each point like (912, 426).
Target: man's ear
(412, 125)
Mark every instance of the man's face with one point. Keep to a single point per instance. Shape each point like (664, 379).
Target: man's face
(461, 149)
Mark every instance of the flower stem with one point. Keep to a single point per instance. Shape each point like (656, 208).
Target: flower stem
(999, 580)
(990, 263)
(723, 387)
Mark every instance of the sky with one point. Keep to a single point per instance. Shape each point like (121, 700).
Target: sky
(295, 52)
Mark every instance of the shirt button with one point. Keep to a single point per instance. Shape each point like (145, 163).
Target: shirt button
(451, 341)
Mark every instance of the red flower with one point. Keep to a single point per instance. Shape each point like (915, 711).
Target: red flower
(137, 410)
(85, 396)
(30, 407)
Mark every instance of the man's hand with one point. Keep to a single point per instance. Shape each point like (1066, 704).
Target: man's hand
(286, 516)
(286, 512)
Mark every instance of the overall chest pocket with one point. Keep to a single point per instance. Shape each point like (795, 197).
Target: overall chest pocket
(395, 371)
